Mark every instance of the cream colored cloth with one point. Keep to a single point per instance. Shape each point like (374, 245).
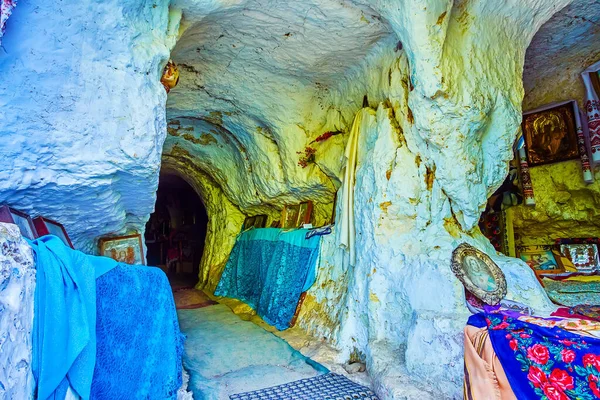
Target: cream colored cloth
(484, 376)
(348, 232)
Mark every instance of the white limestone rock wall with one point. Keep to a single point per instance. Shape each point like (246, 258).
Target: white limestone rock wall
(446, 98)
(565, 45)
(437, 146)
(82, 111)
(404, 310)
(249, 72)
(83, 119)
(405, 307)
(17, 287)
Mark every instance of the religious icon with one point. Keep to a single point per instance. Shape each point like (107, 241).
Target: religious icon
(550, 135)
(540, 258)
(249, 222)
(170, 76)
(289, 216)
(304, 213)
(583, 256)
(126, 249)
(45, 226)
(294, 216)
(479, 274)
(22, 220)
(256, 221)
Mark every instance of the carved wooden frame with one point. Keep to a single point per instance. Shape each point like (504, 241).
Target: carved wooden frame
(492, 297)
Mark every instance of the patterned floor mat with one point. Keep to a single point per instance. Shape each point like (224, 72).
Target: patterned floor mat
(323, 387)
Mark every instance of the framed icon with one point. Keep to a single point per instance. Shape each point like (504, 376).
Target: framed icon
(127, 249)
(46, 226)
(19, 218)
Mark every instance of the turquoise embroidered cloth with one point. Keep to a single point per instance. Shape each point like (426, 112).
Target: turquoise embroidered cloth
(139, 345)
(268, 269)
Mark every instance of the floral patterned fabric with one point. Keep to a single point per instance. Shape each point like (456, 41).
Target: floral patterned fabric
(544, 363)
(590, 311)
(570, 324)
(6, 7)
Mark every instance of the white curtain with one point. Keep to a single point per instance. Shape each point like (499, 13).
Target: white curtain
(348, 232)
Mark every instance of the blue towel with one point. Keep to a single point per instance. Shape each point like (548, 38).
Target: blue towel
(64, 328)
(269, 269)
(138, 338)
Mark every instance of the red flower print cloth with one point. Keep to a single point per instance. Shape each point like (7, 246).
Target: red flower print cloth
(540, 362)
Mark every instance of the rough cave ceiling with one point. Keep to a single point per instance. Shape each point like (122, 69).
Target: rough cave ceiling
(252, 76)
(266, 60)
(563, 47)
(256, 77)
(260, 80)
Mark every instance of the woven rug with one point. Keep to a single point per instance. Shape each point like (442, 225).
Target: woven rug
(323, 387)
(189, 298)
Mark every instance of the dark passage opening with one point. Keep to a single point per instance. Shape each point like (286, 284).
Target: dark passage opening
(176, 231)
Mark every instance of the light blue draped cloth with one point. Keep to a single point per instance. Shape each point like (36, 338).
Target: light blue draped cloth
(64, 326)
(268, 269)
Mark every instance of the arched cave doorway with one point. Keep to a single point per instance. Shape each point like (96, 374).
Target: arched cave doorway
(176, 231)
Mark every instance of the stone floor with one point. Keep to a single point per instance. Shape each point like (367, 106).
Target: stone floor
(225, 355)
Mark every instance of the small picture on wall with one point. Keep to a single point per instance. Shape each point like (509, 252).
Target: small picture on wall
(127, 249)
(540, 258)
(22, 220)
(583, 256)
(550, 135)
(260, 221)
(304, 213)
(294, 216)
(256, 221)
(249, 222)
(45, 226)
(289, 216)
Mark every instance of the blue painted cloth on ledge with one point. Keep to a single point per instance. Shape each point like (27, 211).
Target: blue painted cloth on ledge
(138, 338)
(269, 269)
(541, 362)
(64, 331)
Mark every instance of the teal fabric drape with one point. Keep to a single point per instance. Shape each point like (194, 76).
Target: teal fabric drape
(269, 269)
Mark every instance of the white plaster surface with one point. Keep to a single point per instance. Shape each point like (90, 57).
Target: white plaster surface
(82, 112)
(17, 287)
